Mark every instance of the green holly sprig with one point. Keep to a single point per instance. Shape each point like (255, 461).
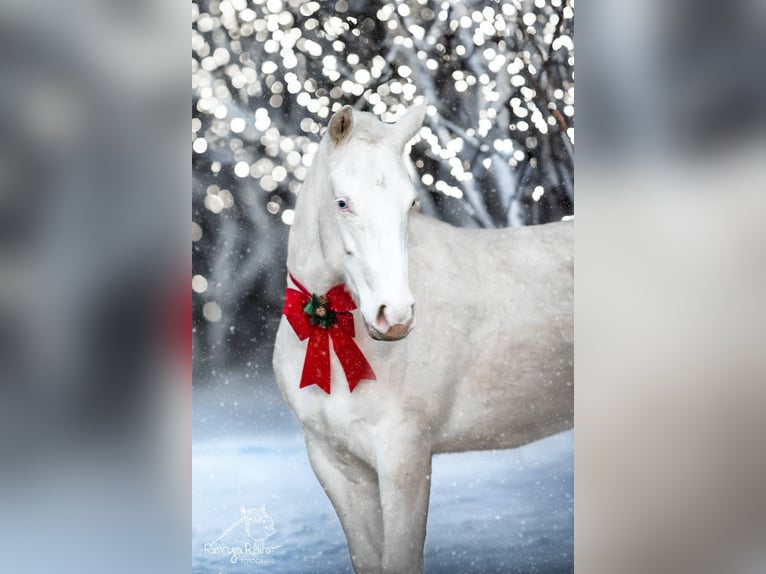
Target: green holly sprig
(319, 312)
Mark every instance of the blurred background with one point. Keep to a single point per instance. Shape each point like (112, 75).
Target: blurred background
(670, 317)
(496, 150)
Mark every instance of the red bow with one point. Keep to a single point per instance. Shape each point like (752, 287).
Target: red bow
(340, 328)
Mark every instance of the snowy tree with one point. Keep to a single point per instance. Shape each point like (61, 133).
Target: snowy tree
(496, 148)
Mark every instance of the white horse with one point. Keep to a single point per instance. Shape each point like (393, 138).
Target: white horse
(489, 365)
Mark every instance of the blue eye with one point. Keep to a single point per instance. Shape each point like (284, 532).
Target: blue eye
(342, 204)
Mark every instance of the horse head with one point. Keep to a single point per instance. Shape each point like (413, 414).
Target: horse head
(371, 197)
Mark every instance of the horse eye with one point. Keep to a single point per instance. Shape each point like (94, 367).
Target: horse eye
(414, 203)
(342, 204)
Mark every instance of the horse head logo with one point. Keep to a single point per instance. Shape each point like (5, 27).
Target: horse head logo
(258, 527)
(258, 524)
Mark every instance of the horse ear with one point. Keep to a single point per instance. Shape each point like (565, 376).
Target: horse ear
(263, 508)
(242, 511)
(409, 124)
(340, 124)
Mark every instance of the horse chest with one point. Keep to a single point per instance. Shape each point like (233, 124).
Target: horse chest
(342, 418)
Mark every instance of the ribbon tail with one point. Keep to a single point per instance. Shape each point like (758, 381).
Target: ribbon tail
(352, 359)
(316, 367)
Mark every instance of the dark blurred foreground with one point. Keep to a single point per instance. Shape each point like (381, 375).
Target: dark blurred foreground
(94, 211)
(670, 461)
(94, 299)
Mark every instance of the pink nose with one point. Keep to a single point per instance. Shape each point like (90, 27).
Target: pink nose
(391, 326)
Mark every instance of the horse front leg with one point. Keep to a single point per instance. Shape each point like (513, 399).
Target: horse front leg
(352, 487)
(404, 474)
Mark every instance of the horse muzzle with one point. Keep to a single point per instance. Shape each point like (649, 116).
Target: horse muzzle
(383, 331)
(394, 333)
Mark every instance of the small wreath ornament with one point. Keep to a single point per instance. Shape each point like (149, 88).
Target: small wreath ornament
(319, 312)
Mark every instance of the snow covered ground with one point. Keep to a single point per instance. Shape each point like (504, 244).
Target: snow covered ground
(500, 511)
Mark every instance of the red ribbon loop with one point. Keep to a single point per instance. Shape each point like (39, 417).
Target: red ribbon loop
(316, 367)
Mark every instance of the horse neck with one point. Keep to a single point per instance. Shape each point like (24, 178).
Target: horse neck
(310, 248)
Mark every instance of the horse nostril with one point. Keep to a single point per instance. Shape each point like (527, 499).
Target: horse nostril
(381, 317)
